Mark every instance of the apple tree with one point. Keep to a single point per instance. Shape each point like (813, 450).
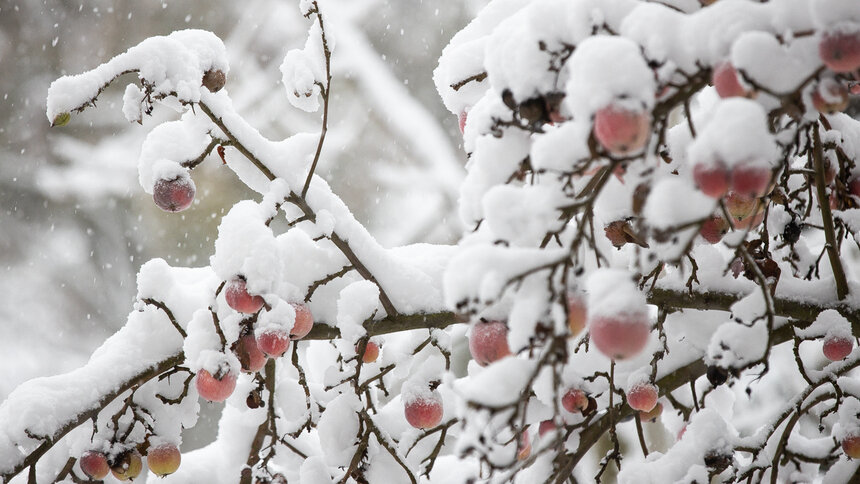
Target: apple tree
(658, 280)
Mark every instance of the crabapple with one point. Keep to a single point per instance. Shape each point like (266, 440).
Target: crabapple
(546, 426)
(740, 206)
(574, 400)
(163, 459)
(488, 342)
(752, 221)
(127, 465)
(621, 131)
(577, 313)
(840, 51)
(726, 81)
(215, 388)
(174, 194)
(830, 97)
(423, 411)
(651, 415)
(619, 336)
(214, 80)
(837, 348)
(273, 342)
(712, 179)
(94, 464)
(249, 354)
(851, 445)
(714, 228)
(642, 397)
(304, 321)
(237, 296)
(749, 180)
(371, 352)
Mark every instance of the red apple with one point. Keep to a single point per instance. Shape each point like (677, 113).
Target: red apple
(488, 342)
(752, 221)
(215, 388)
(175, 194)
(750, 180)
(619, 336)
(273, 342)
(840, 51)
(727, 82)
(574, 400)
(249, 354)
(851, 445)
(163, 459)
(621, 131)
(642, 397)
(577, 313)
(712, 179)
(94, 464)
(714, 228)
(652, 415)
(371, 352)
(424, 411)
(238, 298)
(546, 426)
(740, 206)
(837, 348)
(304, 321)
(830, 97)
(127, 465)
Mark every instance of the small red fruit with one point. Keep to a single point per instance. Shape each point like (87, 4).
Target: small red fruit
(712, 179)
(273, 342)
(577, 313)
(840, 51)
(837, 348)
(714, 228)
(726, 81)
(854, 187)
(642, 397)
(621, 131)
(175, 194)
(851, 445)
(94, 464)
(462, 121)
(238, 298)
(751, 181)
(127, 466)
(546, 426)
(830, 97)
(653, 414)
(740, 206)
(249, 354)
(619, 336)
(163, 459)
(371, 352)
(304, 321)
(488, 342)
(574, 400)
(215, 388)
(424, 411)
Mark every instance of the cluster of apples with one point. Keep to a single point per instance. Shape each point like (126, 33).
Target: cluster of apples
(252, 350)
(162, 460)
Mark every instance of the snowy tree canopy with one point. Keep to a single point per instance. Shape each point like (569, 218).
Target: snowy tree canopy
(658, 280)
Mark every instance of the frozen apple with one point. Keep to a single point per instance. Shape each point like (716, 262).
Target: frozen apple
(214, 80)
(727, 81)
(174, 194)
(740, 206)
(619, 336)
(854, 187)
(127, 465)
(840, 50)
(163, 459)
(750, 180)
(545, 427)
(642, 397)
(653, 414)
(711, 178)
(304, 321)
(851, 445)
(371, 352)
(249, 354)
(273, 342)
(488, 342)
(574, 400)
(423, 411)
(837, 348)
(830, 96)
(94, 464)
(577, 313)
(237, 296)
(215, 388)
(621, 131)
(714, 228)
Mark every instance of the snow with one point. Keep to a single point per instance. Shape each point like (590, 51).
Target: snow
(338, 429)
(612, 292)
(745, 123)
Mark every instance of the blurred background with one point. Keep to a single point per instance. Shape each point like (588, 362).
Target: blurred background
(75, 225)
